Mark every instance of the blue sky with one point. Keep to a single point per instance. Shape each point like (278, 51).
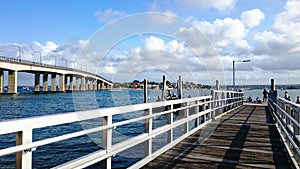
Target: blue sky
(260, 30)
(60, 21)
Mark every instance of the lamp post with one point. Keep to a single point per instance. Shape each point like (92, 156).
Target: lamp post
(73, 63)
(55, 61)
(66, 62)
(80, 66)
(20, 51)
(233, 70)
(70, 61)
(41, 59)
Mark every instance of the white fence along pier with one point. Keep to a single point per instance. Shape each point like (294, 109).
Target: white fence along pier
(190, 113)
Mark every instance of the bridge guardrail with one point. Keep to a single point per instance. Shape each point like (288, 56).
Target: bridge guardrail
(14, 60)
(193, 114)
(287, 120)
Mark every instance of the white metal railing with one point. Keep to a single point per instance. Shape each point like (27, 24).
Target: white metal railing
(287, 118)
(197, 111)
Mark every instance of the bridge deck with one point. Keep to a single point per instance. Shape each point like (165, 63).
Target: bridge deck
(243, 138)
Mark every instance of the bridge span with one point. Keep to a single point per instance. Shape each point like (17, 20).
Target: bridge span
(69, 79)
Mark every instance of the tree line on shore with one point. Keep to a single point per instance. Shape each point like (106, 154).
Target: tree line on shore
(136, 84)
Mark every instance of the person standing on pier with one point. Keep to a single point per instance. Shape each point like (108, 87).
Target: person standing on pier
(286, 95)
(298, 100)
(265, 95)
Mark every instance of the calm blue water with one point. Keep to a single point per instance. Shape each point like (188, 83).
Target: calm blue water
(30, 105)
(27, 104)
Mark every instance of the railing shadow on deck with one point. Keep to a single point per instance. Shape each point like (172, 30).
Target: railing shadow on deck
(235, 141)
(275, 143)
(197, 139)
(236, 147)
(242, 134)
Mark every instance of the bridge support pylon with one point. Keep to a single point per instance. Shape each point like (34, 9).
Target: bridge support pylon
(12, 81)
(53, 82)
(61, 82)
(77, 83)
(45, 82)
(71, 83)
(1, 80)
(36, 82)
(82, 87)
(95, 84)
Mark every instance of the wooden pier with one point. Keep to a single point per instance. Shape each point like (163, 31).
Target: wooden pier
(216, 131)
(243, 138)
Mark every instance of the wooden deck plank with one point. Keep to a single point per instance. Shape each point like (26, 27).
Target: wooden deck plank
(244, 138)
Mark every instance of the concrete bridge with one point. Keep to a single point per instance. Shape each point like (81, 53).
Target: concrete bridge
(69, 79)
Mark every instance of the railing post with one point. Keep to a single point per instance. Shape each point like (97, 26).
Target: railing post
(196, 112)
(234, 99)
(24, 158)
(223, 102)
(289, 112)
(179, 89)
(148, 129)
(208, 106)
(296, 133)
(107, 141)
(296, 155)
(163, 96)
(145, 91)
(296, 117)
(186, 115)
(217, 85)
(288, 123)
(272, 85)
(170, 122)
(213, 105)
(283, 116)
(279, 113)
(242, 98)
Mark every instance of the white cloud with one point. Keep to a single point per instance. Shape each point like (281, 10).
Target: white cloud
(252, 17)
(156, 43)
(108, 15)
(44, 49)
(226, 29)
(153, 43)
(175, 46)
(281, 43)
(169, 56)
(227, 35)
(206, 4)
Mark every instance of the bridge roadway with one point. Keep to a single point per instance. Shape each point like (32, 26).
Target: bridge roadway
(69, 79)
(243, 138)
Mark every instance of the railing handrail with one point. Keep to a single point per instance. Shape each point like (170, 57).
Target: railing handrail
(287, 120)
(57, 119)
(289, 102)
(27, 125)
